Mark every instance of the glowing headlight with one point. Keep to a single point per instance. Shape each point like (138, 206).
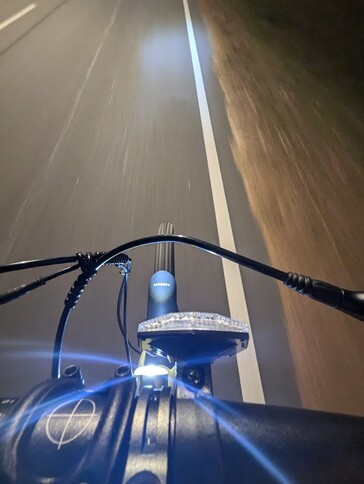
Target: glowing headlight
(150, 370)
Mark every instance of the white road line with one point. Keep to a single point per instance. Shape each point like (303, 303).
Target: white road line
(18, 15)
(250, 380)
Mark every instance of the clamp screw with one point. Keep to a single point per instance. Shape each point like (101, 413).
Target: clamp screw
(122, 371)
(72, 371)
(194, 376)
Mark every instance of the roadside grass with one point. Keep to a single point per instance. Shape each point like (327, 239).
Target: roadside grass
(295, 110)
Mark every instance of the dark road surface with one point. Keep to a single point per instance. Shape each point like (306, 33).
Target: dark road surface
(101, 141)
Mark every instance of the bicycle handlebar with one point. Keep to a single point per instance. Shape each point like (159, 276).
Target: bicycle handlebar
(59, 432)
(350, 302)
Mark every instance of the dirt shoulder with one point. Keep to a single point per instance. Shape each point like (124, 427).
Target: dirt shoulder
(297, 139)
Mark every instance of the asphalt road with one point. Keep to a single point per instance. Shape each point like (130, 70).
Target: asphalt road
(101, 141)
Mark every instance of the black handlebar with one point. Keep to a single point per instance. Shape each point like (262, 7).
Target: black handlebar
(61, 433)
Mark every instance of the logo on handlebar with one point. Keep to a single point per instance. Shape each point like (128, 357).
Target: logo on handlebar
(60, 426)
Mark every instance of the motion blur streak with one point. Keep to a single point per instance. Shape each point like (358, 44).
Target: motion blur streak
(81, 90)
(90, 358)
(270, 467)
(298, 144)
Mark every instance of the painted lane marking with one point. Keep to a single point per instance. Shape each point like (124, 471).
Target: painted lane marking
(250, 379)
(17, 16)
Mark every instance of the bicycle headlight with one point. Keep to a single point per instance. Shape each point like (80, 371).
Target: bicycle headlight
(194, 334)
(151, 370)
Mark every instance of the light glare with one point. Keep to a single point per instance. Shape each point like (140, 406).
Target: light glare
(150, 370)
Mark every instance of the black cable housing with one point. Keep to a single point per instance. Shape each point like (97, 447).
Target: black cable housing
(31, 264)
(25, 288)
(70, 302)
(199, 244)
(349, 302)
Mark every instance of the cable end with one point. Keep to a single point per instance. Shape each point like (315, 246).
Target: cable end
(350, 302)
